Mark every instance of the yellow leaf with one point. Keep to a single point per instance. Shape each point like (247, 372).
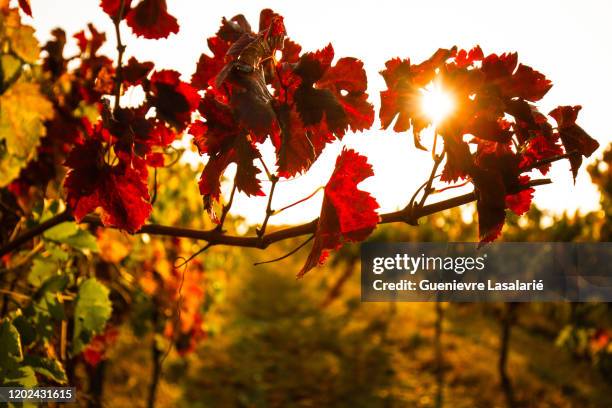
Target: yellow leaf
(20, 37)
(10, 166)
(10, 67)
(23, 110)
(24, 44)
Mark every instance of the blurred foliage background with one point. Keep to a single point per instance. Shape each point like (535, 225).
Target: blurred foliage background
(254, 336)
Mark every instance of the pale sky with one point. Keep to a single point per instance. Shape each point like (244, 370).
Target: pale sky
(568, 41)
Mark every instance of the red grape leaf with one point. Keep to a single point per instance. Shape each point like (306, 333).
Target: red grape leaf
(485, 94)
(520, 202)
(541, 147)
(231, 30)
(347, 214)
(150, 19)
(402, 98)
(348, 76)
(136, 133)
(251, 103)
(54, 61)
(255, 52)
(92, 44)
(135, 72)
(299, 121)
(573, 137)
(523, 82)
(113, 7)
(499, 67)
(458, 159)
(208, 67)
(528, 121)
(173, 99)
(120, 191)
(239, 151)
(316, 104)
(95, 351)
(487, 126)
(495, 174)
(490, 204)
(397, 77)
(220, 127)
(465, 58)
(25, 6)
(155, 159)
(299, 146)
(291, 51)
(529, 84)
(266, 19)
(222, 139)
(244, 77)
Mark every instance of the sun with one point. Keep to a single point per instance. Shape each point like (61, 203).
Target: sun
(436, 103)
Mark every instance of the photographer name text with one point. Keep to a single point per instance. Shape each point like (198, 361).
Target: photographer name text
(458, 265)
(454, 286)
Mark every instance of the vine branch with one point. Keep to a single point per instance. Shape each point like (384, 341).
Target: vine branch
(215, 237)
(226, 208)
(120, 52)
(437, 161)
(288, 254)
(35, 231)
(269, 212)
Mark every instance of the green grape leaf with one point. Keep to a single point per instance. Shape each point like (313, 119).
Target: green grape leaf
(51, 303)
(61, 231)
(56, 283)
(43, 322)
(10, 343)
(47, 367)
(69, 233)
(27, 332)
(48, 299)
(92, 311)
(17, 376)
(82, 240)
(54, 207)
(42, 269)
(57, 253)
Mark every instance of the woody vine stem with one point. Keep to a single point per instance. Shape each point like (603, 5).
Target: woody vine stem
(217, 237)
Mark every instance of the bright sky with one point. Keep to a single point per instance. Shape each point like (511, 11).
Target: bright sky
(568, 41)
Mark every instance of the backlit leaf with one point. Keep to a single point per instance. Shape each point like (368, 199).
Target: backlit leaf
(10, 67)
(150, 19)
(24, 43)
(23, 111)
(347, 214)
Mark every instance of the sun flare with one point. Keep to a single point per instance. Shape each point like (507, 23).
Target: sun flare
(436, 103)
